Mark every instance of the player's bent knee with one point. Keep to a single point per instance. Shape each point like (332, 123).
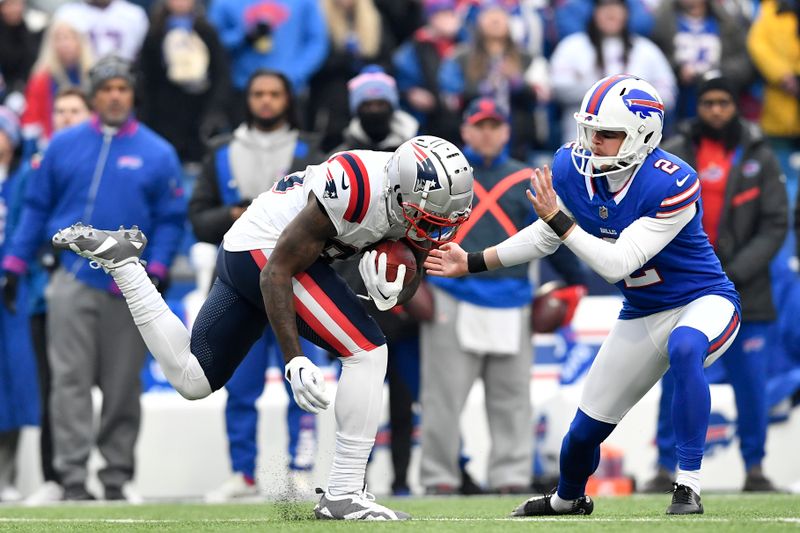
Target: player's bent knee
(687, 346)
(194, 391)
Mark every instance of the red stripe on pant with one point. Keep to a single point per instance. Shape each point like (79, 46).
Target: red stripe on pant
(726, 335)
(336, 314)
(324, 333)
(328, 306)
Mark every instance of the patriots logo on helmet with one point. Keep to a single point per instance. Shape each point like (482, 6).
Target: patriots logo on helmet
(426, 173)
(643, 104)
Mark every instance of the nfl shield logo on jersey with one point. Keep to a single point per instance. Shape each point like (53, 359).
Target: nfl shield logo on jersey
(603, 212)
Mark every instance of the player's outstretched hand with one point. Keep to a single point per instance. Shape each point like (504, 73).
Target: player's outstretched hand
(544, 200)
(383, 293)
(308, 384)
(449, 261)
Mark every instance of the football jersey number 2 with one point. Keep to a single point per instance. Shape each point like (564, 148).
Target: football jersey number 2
(642, 278)
(667, 166)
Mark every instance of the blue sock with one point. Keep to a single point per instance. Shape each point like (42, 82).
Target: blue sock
(691, 403)
(580, 454)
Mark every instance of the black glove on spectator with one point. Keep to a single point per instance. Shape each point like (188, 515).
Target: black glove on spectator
(261, 29)
(10, 283)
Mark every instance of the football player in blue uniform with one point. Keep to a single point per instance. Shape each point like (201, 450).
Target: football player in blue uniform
(632, 212)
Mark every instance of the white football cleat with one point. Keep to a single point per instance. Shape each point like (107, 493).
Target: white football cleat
(106, 249)
(354, 506)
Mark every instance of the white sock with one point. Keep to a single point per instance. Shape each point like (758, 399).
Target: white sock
(349, 465)
(358, 406)
(559, 504)
(144, 301)
(163, 332)
(690, 478)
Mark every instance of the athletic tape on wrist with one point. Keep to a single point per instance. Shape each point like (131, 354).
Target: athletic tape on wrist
(476, 262)
(560, 223)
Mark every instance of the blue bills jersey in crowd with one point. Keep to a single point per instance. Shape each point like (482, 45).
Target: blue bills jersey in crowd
(686, 268)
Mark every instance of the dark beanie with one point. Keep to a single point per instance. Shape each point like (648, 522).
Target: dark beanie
(107, 68)
(714, 80)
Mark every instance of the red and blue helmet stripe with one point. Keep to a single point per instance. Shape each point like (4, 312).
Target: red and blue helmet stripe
(601, 91)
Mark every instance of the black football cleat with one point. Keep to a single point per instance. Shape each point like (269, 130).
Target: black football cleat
(658, 484)
(756, 481)
(540, 506)
(684, 501)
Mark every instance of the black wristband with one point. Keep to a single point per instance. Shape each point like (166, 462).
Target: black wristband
(560, 223)
(476, 262)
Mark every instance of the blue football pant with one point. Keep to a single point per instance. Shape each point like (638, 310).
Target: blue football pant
(241, 416)
(745, 365)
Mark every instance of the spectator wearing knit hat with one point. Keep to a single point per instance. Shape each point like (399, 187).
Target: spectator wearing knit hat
(106, 172)
(378, 123)
(19, 402)
(745, 216)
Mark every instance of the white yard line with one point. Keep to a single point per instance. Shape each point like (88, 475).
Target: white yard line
(571, 520)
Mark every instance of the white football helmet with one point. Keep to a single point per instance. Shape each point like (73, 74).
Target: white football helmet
(618, 103)
(429, 189)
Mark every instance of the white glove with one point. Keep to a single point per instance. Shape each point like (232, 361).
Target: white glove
(308, 384)
(384, 293)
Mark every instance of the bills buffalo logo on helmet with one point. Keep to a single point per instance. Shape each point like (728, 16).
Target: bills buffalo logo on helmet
(643, 104)
(426, 172)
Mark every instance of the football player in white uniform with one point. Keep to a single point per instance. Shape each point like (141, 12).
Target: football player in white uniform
(274, 269)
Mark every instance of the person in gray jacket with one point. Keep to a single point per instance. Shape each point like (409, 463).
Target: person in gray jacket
(745, 214)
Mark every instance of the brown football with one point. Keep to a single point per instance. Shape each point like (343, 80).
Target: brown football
(548, 312)
(397, 253)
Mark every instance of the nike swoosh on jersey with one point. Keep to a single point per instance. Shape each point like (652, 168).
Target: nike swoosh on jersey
(681, 182)
(345, 186)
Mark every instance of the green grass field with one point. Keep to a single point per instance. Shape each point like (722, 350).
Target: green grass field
(751, 514)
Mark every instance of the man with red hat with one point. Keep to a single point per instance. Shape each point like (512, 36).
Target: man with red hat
(481, 326)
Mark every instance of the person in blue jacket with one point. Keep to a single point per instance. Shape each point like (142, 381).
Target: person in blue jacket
(289, 36)
(19, 402)
(108, 171)
(70, 107)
